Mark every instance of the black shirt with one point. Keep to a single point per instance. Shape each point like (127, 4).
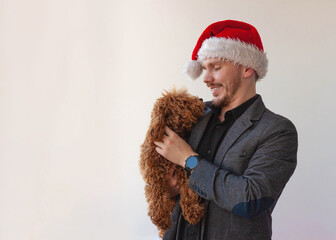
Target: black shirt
(216, 130)
(207, 149)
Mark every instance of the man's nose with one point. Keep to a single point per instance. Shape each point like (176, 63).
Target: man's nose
(207, 77)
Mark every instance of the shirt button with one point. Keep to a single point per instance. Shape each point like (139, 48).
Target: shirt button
(209, 151)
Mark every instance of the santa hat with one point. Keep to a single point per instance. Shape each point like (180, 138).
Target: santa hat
(230, 40)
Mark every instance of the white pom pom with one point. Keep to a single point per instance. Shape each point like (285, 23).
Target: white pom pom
(193, 69)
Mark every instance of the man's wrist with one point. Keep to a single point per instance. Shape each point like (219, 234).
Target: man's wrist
(190, 163)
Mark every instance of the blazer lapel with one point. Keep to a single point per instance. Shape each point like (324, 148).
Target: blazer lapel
(244, 122)
(198, 130)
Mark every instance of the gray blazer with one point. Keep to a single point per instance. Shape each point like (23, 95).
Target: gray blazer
(250, 170)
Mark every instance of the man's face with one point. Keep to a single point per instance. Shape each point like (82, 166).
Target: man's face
(223, 78)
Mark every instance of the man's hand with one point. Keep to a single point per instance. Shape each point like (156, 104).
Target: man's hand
(174, 189)
(174, 148)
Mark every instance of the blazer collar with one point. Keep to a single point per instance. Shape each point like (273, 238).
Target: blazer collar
(253, 113)
(199, 129)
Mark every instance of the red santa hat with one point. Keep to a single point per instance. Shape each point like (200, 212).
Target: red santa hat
(230, 40)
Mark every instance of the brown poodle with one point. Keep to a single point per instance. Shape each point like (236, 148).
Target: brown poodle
(179, 111)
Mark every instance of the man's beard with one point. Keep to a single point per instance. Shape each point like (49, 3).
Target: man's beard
(230, 91)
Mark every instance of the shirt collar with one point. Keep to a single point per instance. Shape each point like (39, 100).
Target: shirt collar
(236, 112)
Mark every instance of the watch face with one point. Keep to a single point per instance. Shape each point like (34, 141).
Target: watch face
(192, 162)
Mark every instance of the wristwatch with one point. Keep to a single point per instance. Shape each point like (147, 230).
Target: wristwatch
(191, 163)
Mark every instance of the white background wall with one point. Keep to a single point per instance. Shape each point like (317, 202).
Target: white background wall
(77, 83)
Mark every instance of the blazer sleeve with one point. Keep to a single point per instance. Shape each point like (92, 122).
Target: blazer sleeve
(259, 187)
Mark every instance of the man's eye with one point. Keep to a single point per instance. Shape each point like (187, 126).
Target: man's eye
(217, 68)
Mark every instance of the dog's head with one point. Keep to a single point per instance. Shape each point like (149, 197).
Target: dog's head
(177, 109)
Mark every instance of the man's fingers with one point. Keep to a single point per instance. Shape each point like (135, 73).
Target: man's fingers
(172, 178)
(159, 144)
(168, 131)
(172, 170)
(159, 150)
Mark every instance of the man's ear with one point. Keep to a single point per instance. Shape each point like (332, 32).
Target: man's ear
(248, 72)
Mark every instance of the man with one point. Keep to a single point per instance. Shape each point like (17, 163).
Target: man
(240, 155)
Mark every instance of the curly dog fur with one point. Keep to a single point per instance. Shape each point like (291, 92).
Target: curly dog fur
(179, 111)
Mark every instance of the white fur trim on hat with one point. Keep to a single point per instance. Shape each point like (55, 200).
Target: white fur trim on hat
(193, 69)
(236, 51)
